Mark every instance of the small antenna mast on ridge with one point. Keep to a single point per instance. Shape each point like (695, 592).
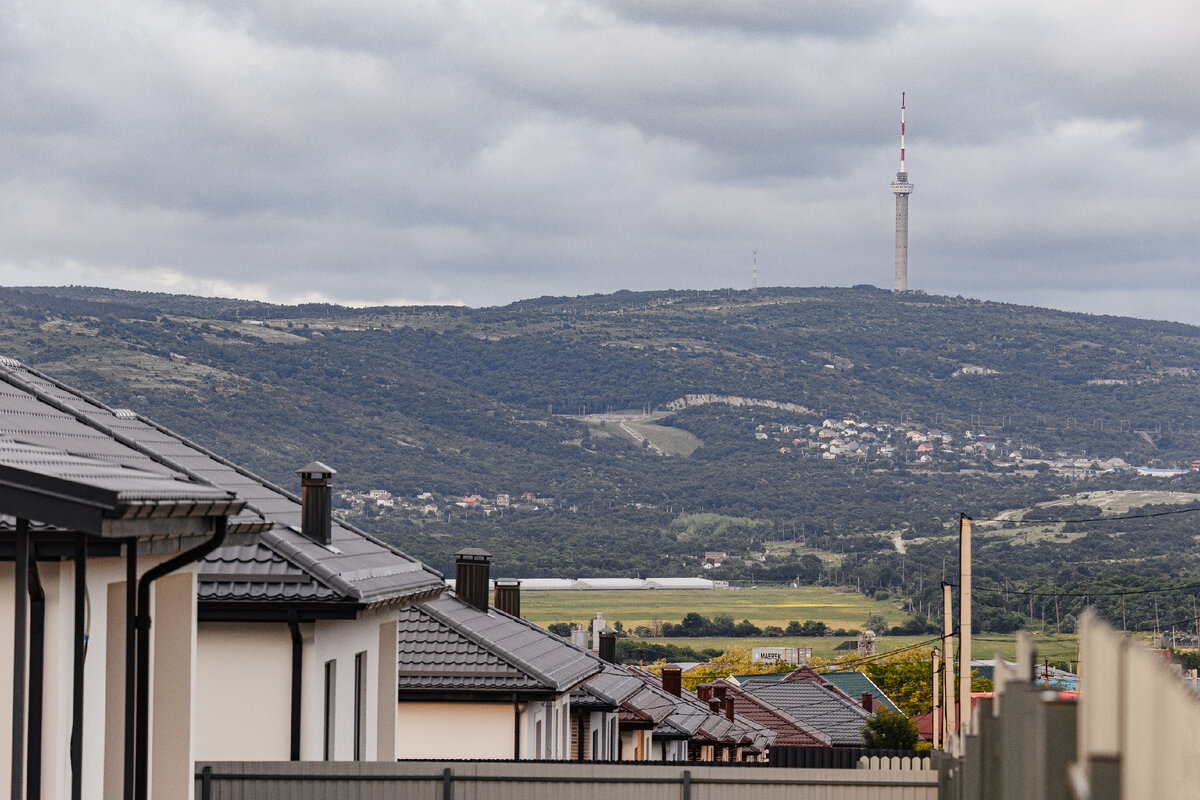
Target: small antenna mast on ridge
(754, 285)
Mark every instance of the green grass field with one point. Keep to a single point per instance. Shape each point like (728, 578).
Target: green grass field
(763, 606)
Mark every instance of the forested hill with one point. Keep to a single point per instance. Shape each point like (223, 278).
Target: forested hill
(733, 388)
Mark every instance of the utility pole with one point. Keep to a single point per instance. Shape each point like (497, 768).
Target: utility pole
(964, 624)
(949, 727)
(937, 703)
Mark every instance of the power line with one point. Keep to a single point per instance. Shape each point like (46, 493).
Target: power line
(1113, 518)
(1116, 593)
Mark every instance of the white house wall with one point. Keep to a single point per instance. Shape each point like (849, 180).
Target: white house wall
(339, 641)
(243, 691)
(555, 718)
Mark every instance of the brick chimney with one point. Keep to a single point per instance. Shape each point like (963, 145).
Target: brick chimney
(672, 679)
(728, 701)
(714, 705)
(316, 502)
(508, 597)
(704, 691)
(868, 701)
(471, 570)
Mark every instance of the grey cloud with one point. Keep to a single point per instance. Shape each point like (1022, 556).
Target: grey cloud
(770, 17)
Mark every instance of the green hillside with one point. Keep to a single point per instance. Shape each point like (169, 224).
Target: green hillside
(622, 417)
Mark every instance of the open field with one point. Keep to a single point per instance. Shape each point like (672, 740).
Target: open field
(763, 606)
(671, 441)
(1057, 648)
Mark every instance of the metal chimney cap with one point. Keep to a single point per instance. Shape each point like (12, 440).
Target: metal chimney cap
(317, 468)
(473, 554)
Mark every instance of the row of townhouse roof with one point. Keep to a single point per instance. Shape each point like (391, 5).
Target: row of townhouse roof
(213, 615)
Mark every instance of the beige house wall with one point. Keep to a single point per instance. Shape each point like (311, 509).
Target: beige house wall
(103, 692)
(454, 730)
(243, 691)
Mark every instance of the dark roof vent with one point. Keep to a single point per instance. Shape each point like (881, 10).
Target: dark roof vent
(508, 597)
(471, 570)
(608, 645)
(316, 499)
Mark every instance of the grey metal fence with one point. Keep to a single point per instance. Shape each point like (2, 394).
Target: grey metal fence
(495, 780)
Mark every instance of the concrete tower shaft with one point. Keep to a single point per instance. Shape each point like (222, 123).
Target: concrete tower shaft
(902, 189)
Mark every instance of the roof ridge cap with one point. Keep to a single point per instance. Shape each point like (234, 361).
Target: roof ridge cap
(276, 543)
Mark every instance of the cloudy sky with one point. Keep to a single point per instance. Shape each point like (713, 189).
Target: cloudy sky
(484, 151)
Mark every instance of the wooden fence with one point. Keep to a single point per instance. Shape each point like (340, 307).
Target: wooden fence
(515, 780)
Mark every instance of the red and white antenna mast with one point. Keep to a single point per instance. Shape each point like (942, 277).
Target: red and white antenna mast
(901, 188)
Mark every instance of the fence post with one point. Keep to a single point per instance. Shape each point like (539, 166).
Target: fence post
(687, 784)
(206, 783)
(447, 784)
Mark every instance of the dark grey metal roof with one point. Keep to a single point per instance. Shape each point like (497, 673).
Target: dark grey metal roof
(817, 704)
(449, 645)
(94, 496)
(356, 567)
(609, 688)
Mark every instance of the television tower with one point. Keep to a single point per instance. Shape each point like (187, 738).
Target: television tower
(902, 189)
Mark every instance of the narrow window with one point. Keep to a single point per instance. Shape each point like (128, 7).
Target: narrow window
(330, 681)
(537, 747)
(360, 706)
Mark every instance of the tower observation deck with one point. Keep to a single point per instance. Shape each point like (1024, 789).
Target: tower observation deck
(902, 189)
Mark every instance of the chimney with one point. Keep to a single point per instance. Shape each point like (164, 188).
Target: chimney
(598, 623)
(729, 708)
(868, 701)
(579, 636)
(714, 705)
(508, 597)
(471, 576)
(672, 679)
(316, 502)
(718, 690)
(704, 691)
(608, 645)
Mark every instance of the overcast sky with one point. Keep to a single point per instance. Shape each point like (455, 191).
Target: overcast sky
(481, 152)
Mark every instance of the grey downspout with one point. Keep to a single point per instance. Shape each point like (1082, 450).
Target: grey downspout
(77, 681)
(297, 676)
(141, 765)
(20, 624)
(37, 656)
(516, 729)
(130, 662)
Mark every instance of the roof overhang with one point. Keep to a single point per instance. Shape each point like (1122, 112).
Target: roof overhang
(169, 509)
(274, 611)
